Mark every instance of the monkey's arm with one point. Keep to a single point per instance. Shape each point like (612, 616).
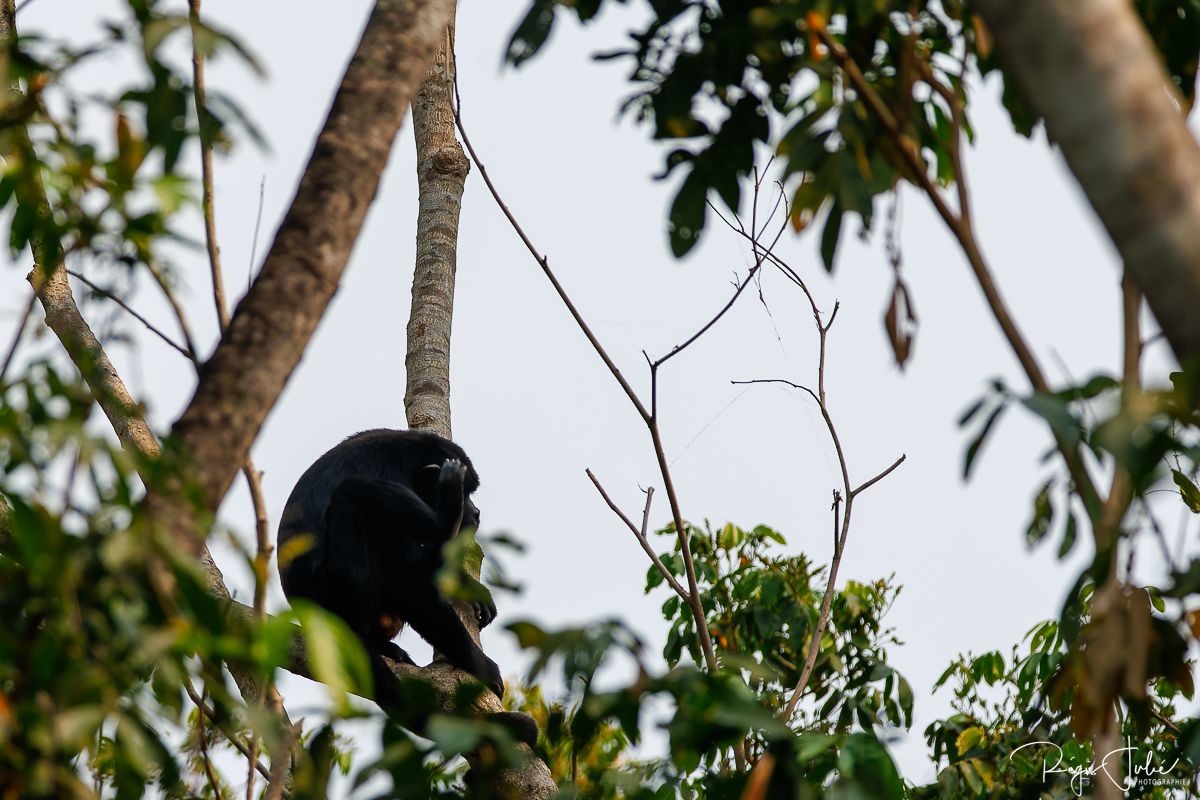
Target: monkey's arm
(384, 511)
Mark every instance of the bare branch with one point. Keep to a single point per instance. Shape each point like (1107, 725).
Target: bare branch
(147, 324)
(164, 286)
(814, 647)
(230, 736)
(867, 485)
(206, 174)
(441, 177)
(202, 736)
(640, 535)
(22, 324)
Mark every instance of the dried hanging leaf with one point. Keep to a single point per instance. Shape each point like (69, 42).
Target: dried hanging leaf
(900, 322)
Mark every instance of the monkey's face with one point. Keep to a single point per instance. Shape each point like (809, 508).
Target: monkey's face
(471, 515)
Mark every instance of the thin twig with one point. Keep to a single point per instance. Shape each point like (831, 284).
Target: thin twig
(202, 737)
(867, 485)
(262, 194)
(1120, 492)
(759, 256)
(280, 767)
(147, 324)
(679, 348)
(18, 336)
(544, 262)
(164, 286)
(206, 172)
(640, 535)
(229, 735)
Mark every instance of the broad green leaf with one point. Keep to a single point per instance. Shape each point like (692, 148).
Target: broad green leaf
(1187, 490)
(335, 655)
(971, 737)
(687, 214)
(977, 443)
(830, 235)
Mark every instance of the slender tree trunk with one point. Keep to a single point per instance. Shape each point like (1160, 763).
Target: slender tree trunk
(441, 175)
(1091, 70)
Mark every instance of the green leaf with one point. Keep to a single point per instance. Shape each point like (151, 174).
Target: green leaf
(335, 655)
(977, 444)
(687, 214)
(865, 762)
(531, 32)
(1187, 490)
(1043, 515)
(830, 235)
(811, 745)
(1056, 411)
(905, 693)
(453, 735)
(1069, 535)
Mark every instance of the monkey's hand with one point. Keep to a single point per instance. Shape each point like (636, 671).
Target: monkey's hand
(451, 495)
(483, 607)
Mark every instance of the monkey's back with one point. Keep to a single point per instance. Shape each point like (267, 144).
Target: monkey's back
(381, 453)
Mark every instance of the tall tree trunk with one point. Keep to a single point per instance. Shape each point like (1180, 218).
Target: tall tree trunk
(1091, 70)
(441, 175)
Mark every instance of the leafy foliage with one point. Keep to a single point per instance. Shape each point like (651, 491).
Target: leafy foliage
(762, 611)
(1006, 730)
(718, 81)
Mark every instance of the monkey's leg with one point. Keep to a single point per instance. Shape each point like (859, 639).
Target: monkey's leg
(438, 623)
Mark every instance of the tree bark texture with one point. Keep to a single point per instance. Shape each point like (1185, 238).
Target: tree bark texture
(441, 175)
(273, 323)
(1092, 72)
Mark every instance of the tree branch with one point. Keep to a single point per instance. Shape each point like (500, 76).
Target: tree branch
(640, 535)
(1094, 75)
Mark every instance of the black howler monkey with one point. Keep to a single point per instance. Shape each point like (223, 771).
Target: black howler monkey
(379, 507)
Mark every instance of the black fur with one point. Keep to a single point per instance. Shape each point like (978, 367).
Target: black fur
(379, 507)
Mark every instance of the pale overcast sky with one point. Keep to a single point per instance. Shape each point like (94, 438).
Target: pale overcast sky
(534, 406)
